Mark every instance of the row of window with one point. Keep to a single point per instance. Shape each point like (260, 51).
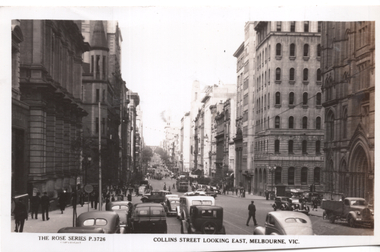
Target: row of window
(292, 172)
(291, 147)
(305, 76)
(277, 123)
(292, 50)
(306, 26)
(263, 102)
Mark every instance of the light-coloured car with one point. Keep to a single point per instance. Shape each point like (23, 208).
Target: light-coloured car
(185, 202)
(285, 223)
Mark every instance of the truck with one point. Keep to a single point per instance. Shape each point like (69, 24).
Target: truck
(354, 210)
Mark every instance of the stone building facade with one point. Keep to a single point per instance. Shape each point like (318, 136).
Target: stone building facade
(288, 114)
(47, 118)
(348, 72)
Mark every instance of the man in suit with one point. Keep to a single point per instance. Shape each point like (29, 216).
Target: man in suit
(35, 204)
(45, 203)
(252, 213)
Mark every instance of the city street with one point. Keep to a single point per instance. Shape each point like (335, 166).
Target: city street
(234, 209)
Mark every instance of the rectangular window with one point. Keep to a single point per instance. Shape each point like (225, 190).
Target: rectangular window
(97, 66)
(97, 124)
(103, 125)
(104, 95)
(97, 95)
(92, 63)
(319, 26)
(104, 67)
(306, 26)
(279, 26)
(292, 26)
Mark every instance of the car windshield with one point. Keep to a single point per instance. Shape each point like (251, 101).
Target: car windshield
(295, 220)
(358, 202)
(202, 202)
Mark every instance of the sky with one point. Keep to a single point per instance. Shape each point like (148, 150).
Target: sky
(165, 50)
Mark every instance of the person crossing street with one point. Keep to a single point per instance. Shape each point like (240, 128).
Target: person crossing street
(251, 213)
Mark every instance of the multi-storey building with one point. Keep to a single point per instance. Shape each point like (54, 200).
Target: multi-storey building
(288, 107)
(348, 73)
(46, 105)
(185, 143)
(195, 105)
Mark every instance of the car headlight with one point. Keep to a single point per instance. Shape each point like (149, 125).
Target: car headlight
(358, 213)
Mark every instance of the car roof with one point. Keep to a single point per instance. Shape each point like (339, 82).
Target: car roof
(203, 197)
(97, 214)
(147, 204)
(207, 207)
(118, 203)
(288, 214)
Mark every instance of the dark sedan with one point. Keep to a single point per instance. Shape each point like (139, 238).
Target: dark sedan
(149, 218)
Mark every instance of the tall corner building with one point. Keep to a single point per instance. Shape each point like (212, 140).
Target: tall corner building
(348, 72)
(288, 114)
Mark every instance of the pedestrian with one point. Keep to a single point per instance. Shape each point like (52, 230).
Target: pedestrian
(164, 186)
(62, 201)
(129, 197)
(45, 203)
(252, 213)
(92, 199)
(96, 199)
(173, 186)
(315, 205)
(266, 195)
(81, 198)
(35, 204)
(21, 214)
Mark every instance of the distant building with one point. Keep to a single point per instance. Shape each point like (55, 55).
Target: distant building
(348, 73)
(185, 143)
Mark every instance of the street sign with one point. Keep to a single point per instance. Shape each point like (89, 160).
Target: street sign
(88, 188)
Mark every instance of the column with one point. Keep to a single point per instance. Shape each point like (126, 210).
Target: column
(50, 137)
(37, 140)
(59, 140)
(66, 140)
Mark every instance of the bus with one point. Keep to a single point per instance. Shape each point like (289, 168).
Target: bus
(182, 186)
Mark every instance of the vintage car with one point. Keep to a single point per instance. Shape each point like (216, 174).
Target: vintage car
(281, 203)
(354, 210)
(285, 223)
(95, 222)
(148, 218)
(204, 220)
(207, 191)
(122, 208)
(185, 202)
(171, 204)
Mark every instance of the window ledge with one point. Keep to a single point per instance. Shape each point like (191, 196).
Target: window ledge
(305, 82)
(319, 58)
(305, 106)
(277, 105)
(292, 57)
(291, 105)
(319, 106)
(291, 82)
(277, 82)
(306, 58)
(278, 57)
(319, 82)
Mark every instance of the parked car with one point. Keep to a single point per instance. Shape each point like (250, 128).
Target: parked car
(282, 203)
(216, 190)
(285, 223)
(207, 191)
(351, 209)
(95, 222)
(122, 208)
(204, 220)
(148, 218)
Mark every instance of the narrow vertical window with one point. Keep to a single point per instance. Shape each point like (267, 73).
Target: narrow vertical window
(290, 147)
(92, 63)
(305, 74)
(291, 122)
(104, 95)
(291, 98)
(306, 26)
(278, 49)
(279, 25)
(304, 176)
(277, 146)
(278, 74)
(97, 124)
(304, 147)
(278, 98)
(318, 123)
(292, 26)
(305, 50)
(277, 122)
(304, 122)
(319, 50)
(104, 68)
(97, 95)
(319, 99)
(319, 77)
(318, 147)
(291, 74)
(292, 50)
(319, 26)
(305, 98)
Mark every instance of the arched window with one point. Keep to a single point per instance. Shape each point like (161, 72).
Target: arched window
(290, 146)
(278, 73)
(304, 176)
(318, 147)
(344, 130)
(319, 77)
(317, 176)
(276, 146)
(330, 126)
(291, 98)
(291, 176)
(319, 50)
(291, 122)
(278, 49)
(291, 74)
(319, 99)
(278, 98)
(304, 147)
(277, 122)
(304, 98)
(305, 74)
(318, 123)
(292, 52)
(306, 50)
(304, 122)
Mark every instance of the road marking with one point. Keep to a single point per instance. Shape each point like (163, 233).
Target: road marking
(237, 227)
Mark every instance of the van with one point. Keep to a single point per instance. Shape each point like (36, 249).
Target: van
(185, 202)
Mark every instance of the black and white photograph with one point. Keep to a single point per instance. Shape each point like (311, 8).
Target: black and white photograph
(194, 128)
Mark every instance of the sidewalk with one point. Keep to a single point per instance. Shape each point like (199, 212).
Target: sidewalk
(56, 221)
(318, 212)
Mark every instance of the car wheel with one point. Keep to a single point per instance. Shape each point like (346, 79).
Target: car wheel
(351, 221)
(209, 227)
